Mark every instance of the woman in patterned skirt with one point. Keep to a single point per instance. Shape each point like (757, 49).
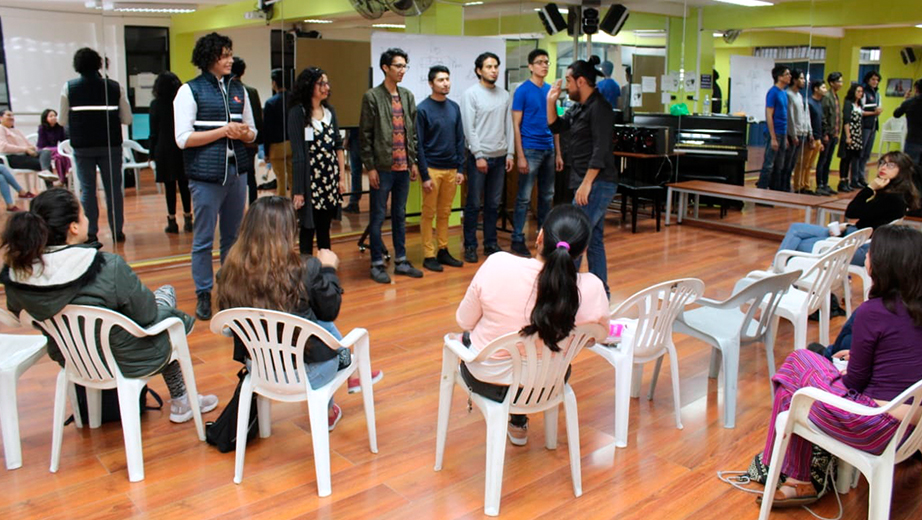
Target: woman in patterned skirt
(317, 157)
(884, 360)
(850, 149)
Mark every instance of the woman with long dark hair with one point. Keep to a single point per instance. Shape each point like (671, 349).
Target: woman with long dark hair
(884, 360)
(544, 295)
(170, 169)
(317, 158)
(264, 269)
(47, 266)
(50, 133)
(887, 198)
(850, 149)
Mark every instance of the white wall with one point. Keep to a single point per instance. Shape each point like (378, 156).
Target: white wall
(39, 47)
(253, 45)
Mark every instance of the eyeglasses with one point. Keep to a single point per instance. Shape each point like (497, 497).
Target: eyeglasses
(323, 83)
(886, 164)
(541, 62)
(401, 66)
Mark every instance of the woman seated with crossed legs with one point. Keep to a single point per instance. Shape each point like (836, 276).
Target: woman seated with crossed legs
(885, 359)
(543, 295)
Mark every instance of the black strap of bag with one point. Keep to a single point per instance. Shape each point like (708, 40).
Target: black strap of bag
(110, 408)
(222, 432)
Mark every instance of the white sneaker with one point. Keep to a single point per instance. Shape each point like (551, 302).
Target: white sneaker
(48, 176)
(518, 435)
(181, 410)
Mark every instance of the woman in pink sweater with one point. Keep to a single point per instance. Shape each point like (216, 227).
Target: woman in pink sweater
(543, 295)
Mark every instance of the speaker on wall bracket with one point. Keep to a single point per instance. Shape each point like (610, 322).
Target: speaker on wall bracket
(614, 19)
(552, 19)
(908, 55)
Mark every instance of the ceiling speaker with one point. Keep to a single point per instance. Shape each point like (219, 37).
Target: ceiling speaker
(614, 19)
(908, 56)
(551, 18)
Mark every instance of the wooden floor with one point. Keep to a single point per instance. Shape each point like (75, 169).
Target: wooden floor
(664, 473)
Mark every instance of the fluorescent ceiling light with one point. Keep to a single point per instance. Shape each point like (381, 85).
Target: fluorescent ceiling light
(561, 10)
(746, 3)
(468, 4)
(311, 20)
(919, 26)
(389, 25)
(152, 7)
(718, 35)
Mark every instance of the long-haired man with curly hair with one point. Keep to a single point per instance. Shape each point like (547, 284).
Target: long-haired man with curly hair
(213, 121)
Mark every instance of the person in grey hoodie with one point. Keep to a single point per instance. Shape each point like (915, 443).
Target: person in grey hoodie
(48, 266)
(486, 113)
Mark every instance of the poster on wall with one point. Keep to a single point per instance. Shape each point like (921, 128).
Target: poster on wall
(670, 82)
(691, 81)
(636, 95)
(898, 87)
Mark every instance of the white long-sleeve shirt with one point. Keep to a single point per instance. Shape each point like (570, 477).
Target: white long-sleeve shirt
(486, 114)
(185, 109)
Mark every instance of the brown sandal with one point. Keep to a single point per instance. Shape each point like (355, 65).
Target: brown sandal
(804, 493)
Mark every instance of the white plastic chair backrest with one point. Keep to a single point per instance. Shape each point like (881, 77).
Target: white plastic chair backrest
(858, 238)
(32, 138)
(275, 342)
(75, 330)
(65, 149)
(764, 294)
(894, 124)
(537, 370)
(914, 416)
(8, 318)
(655, 309)
(827, 270)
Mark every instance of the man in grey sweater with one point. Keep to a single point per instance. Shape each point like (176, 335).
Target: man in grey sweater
(487, 118)
(799, 133)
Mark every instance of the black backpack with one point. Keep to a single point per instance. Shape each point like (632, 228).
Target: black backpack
(222, 433)
(110, 408)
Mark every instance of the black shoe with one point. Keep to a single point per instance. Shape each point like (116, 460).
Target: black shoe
(431, 264)
(521, 249)
(120, 237)
(856, 186)
(445, 258)
(171, 226)
(489, 250)
(187, 223)
(807, 191)
(351, 208)
(818, 348)
(830, 191)
(406, 268)
(844, 188)
(379, 274)
(863, 183)
(91, 239)
(470, 255)
(203, 307)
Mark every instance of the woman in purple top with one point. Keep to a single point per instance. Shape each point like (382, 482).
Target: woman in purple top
(50, 133)
(885, 359)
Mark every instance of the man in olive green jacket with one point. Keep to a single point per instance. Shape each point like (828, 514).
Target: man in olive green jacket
(387, 132)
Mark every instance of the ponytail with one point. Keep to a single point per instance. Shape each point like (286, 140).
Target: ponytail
(28, 233)
(566, 235)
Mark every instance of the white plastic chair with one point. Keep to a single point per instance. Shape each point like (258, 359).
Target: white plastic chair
(66, 150)
(810, 292)
(17, 354)
(893, 131)
(275, 342)
(860, 237)
(538, 373)
(73, 331)
(130, 162)
(877, 468)
(30, 177)
(729, 324)
(648, 338)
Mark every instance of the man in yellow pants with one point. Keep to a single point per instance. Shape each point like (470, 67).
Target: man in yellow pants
(441, 165)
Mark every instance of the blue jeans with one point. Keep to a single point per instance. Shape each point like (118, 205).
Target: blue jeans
(214, 204)
(867, 146)
(396, 184)
(109, 162)
(599, 198)
(7, 180)
(489, 187)
(355, 166)
(825, 160)
(770, 177)
(802, 237)
(322, 372)
(540, 166)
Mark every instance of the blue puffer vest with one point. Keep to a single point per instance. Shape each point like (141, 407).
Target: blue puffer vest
(208, 163)
(93, 118)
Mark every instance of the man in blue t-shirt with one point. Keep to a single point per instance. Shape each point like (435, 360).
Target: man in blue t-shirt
(776, 118)
(608, 87)
(537, 150)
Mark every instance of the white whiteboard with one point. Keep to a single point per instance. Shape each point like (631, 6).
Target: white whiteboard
(750, 81)
(455, 52)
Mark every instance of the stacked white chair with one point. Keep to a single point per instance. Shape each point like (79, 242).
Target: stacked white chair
(275, 342)
(877, 468)
(893, 131)
(729, 324)
(648, 338)
(17, 354)
(538, 374)
(131, 162)
(860, 237)
(94, 367)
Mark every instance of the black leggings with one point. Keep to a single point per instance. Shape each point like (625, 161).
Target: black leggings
(323, 219)
(169, 190)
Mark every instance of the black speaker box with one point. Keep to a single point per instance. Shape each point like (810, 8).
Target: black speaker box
(614, 19)
(908, 56)
(574, 21)
(552, 19)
